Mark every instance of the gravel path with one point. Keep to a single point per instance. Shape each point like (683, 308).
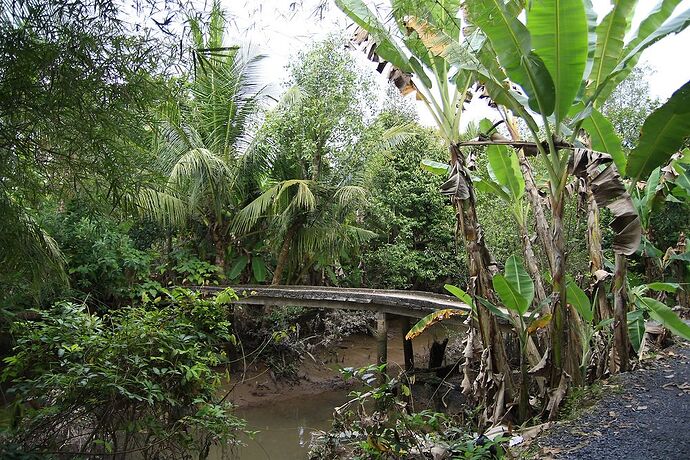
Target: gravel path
(648, 417)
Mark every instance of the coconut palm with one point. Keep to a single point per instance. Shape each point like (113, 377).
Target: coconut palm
(201, 140)
(311, 149)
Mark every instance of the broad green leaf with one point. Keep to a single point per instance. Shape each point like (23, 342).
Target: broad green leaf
(259, 269)
(663, 133)
(666, 316)
(610, 39)
(559, 36)
(431, 319)
(435, 167)
(493, 308)
(632, 54)
(489, 186)
(519, 279)
(438, 43)
(360, 13)
(683, 179)
(591, 42)
(655, 18)
(636, 328)
(510, 297)
(665, 287)
(578, 299)
(506, 168)
(459, 293)
(513, 45)
(685, 257)
(238, 267)
(604, 138)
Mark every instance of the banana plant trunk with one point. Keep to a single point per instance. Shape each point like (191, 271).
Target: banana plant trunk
(480, 264)
(620, 314)
(532, 264)
(532, 192)
(565, 340)
(596, 259)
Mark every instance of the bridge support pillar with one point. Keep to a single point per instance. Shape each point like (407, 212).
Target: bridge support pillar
(381, 341)
(408, 352)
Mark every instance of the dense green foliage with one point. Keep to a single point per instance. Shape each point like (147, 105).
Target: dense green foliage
(137, 380)
(75, 90)
(416, 248)
(135, 161)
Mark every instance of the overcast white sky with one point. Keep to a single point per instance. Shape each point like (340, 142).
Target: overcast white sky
(274, 30)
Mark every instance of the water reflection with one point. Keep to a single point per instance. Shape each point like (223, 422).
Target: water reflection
(286, 426)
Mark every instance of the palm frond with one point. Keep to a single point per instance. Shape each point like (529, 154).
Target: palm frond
(349, 195)
(161, 207)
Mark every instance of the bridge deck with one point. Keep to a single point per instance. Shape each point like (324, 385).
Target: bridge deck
(412, 304)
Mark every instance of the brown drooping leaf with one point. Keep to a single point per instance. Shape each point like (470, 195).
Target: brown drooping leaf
(431, 319)
(456, 185)
(602, 177)
(539, 323)
(402, 80)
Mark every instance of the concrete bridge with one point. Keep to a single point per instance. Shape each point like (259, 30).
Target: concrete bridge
(386, 303)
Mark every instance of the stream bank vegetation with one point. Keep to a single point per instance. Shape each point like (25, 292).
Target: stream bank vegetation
(133, 173)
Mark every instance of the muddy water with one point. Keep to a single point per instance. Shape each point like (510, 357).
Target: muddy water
(285, 417)
(285, 427)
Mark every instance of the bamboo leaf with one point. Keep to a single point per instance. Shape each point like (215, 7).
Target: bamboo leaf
(666, 316)
(559, 36)
(663, 133)
(431, 319)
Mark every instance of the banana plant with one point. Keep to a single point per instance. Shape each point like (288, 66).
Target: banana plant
(566, 65)
(589, 326)
(656, 310)
(399, 46)
(515, 290)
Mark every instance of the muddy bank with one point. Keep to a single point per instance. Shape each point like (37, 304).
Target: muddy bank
(320, 373)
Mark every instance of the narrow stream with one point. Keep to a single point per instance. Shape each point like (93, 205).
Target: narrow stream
(285, 427)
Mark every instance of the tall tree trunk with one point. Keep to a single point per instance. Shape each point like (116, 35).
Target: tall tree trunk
(480, 270)
(620, 313)
(284, 253)
(596, 259)
(219, 245)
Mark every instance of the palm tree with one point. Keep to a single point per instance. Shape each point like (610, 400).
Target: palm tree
(312, 147)
(201, 141)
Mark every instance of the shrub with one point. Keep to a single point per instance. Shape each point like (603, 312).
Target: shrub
(138, 380)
